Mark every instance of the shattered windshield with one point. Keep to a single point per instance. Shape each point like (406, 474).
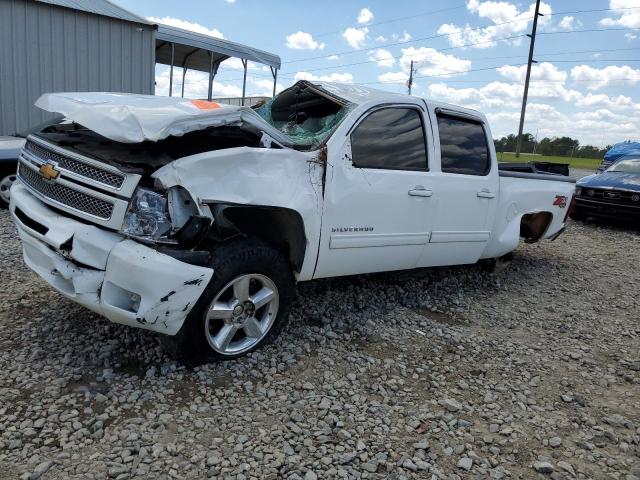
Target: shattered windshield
(305, 116)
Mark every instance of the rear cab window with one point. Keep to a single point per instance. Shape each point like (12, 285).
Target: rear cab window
(463, 145)
(390, 138)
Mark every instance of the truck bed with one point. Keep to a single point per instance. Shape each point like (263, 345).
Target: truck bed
(536, 167)
(537, 176)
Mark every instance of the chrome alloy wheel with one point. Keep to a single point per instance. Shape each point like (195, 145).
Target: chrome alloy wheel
(241, 314)
(5, 186)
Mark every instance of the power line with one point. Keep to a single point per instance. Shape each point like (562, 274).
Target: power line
(404, 42)
(595, 10)
(397, 19)
(447, 74)
(397, 57)
(593, 60)
(409, 17)
(431, 37)
(588, 30)
(623, 79)
(480, 59)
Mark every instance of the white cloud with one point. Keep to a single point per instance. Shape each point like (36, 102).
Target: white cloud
(596, 127)
(630, 36)
(547, 81)
(492, 95)
(230, 1)
(186, 25)
(429, 62)
(303, 41)
(603, 100)
(569, 23)
(461, 36)
(507, 18)
(600, 119)
(332, 77)
(596, 78)
(468, 97)
(382, 57)
(196, 85)
(356, 37)
(365, 16)
(236, 64)
(403, 37)
(333, 57)
(628, 14)
(381, 38)
(394, 77)
(543, 71)
(262, 87)
(503, 94)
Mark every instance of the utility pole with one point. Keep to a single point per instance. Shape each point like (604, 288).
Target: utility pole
(410, 81)
(526, 81)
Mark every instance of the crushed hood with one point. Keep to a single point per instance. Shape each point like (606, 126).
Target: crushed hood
(131, 118)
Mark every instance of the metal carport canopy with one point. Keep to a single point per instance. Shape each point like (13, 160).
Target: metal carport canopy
(189, 50)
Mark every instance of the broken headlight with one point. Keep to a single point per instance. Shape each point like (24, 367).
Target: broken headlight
(148, 216)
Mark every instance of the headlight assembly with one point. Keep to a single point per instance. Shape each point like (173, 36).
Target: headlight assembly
(147, 217)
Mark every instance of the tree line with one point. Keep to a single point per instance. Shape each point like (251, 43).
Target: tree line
(556, 146)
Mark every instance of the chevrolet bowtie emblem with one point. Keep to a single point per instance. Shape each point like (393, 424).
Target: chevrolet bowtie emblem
(48, 171)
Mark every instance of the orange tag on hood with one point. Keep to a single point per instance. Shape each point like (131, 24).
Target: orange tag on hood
(205, 105)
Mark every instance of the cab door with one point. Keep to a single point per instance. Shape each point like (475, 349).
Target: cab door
(467, 190)
(378, 194)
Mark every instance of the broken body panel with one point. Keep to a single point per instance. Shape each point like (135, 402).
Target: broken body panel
(208, 173)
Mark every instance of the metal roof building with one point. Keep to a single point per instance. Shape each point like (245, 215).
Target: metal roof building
(95, 45)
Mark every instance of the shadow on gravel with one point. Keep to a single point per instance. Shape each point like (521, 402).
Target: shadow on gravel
(613, 225)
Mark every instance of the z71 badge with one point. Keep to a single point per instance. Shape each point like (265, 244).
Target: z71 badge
(560, 201)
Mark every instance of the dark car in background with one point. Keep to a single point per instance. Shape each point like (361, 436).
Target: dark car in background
(612, 194)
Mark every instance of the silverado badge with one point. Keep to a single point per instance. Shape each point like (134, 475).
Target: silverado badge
(48, 171)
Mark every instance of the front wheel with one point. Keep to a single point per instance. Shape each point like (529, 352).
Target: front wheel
(245, 306)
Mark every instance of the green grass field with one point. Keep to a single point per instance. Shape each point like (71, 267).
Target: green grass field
(590, 163)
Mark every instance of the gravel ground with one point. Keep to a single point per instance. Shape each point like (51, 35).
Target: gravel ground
(529, 371)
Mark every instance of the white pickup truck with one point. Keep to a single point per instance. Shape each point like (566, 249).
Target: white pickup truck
(195, 219)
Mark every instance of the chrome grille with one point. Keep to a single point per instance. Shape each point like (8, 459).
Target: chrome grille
(611, 196)
(98, 174)
(60, 193)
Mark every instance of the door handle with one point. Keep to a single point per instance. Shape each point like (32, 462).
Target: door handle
(420, 191)
(484, 193)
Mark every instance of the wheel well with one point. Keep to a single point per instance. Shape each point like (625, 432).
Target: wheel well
(278, 226)
(534, 225)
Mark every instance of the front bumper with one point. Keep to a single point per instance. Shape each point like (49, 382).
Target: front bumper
(118, 278)
(614, 211)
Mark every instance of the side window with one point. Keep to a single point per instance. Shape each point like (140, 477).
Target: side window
(390, 138)
(463, 146)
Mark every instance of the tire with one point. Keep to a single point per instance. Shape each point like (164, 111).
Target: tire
(236, 265)
(7, 177)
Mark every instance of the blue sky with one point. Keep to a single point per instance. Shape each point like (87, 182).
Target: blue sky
(467, 52)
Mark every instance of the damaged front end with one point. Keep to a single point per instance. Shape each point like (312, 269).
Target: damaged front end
(120, 208)
(118, 278)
